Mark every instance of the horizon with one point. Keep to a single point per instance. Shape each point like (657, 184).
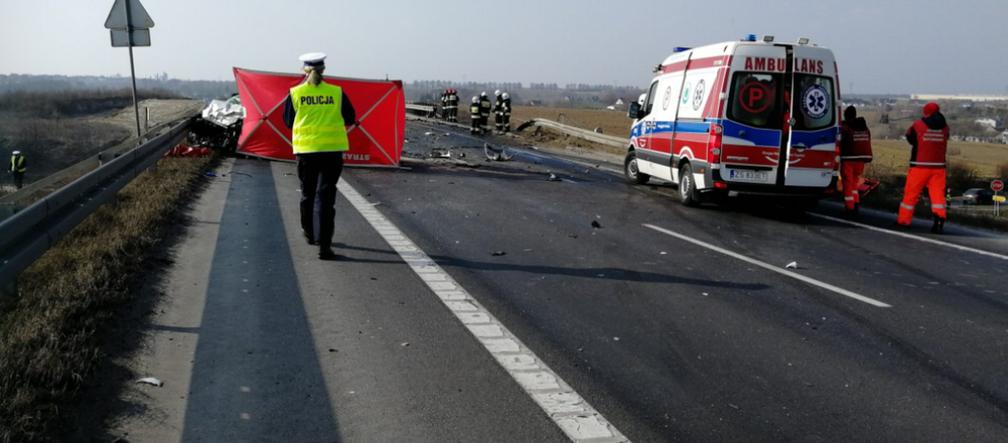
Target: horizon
(936, 48)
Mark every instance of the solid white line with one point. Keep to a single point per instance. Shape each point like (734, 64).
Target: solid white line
(777, 269)
(911, 236)
(565, 407)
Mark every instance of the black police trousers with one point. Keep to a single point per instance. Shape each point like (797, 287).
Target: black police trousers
(319, 173)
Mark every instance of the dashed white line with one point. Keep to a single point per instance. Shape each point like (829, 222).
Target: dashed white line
(911, 236)
(769, 267)
(565, 407)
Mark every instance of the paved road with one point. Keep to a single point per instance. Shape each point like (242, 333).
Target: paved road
(673, 323)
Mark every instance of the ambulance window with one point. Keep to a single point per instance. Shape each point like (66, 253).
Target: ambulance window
(815, 107)
(754, 100)
(650, 98)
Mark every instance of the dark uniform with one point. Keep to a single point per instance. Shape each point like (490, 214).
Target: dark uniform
(453, 103)
(507, 113)
(18, 166)
(484, 112)
(474, 117)
(444, 105)
(498, 110)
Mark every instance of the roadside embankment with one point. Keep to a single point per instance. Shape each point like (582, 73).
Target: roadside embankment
(51, 335)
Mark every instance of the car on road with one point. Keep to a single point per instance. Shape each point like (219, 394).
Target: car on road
(754, 117)
(978, 196)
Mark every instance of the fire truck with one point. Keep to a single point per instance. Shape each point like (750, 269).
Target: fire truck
(754, 117)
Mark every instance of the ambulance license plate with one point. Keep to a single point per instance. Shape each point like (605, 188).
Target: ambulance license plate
(746, 175)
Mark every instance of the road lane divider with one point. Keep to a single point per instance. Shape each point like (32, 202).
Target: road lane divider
(770, 267)
(910, 236)
(565, 407)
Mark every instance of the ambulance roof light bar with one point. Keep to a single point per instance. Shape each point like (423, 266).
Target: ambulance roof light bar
(750, 38)
(768, 39)
(803, 40)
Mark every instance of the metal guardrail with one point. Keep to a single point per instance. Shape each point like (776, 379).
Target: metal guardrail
(591, 136)
(28, 234)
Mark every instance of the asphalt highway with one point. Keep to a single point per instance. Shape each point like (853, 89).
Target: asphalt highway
(672, 323)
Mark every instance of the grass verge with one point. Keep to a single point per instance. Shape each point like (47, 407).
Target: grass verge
(50, 337)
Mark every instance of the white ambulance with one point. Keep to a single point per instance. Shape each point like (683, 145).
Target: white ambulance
(740, 117)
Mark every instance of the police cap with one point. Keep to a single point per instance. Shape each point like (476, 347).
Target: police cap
(313, 59)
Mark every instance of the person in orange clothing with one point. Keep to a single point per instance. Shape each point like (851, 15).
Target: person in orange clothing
(855, 152)
(929, 139)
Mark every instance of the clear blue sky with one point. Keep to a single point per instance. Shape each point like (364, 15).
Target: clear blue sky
(895, 46)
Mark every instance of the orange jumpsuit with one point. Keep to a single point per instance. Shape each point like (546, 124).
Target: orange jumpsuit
(855, 152)
(929, 138)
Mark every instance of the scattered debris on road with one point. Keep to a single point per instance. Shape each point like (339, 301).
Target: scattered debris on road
(792, 265)
(595, 224)
(404, 344)
(552, 177)
(498, 253)
(151, 381)
(496, 155)
(440, 153)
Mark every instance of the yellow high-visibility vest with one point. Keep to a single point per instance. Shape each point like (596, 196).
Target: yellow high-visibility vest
(318, 119)
(17, 163)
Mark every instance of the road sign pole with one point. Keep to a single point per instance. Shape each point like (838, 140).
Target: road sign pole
(129, 36)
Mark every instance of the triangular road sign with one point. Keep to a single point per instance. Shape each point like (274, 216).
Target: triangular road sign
(139, 19)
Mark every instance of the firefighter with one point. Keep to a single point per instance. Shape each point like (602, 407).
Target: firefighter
(929, 139)
(318, 114)
(18, 167)
(444, 105)
(453, 102)
(855, 152)
(507, 112)
(484, 111)
(474, 115)
(498, 110)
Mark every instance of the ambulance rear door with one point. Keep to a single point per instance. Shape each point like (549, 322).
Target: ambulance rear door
(811, 149)
(756, 115)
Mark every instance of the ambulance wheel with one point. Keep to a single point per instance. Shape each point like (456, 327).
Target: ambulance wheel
(633, 175)
(687, 187)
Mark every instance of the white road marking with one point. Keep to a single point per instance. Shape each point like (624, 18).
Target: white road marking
(911, 236)
(777, 269)
(565, 407)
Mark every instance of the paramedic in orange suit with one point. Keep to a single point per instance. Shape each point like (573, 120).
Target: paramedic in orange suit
(929, 139)
(855, 152)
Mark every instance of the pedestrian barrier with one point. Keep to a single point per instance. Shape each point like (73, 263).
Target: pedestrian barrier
(29, 233)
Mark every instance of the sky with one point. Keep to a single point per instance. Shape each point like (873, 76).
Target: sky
(881, 46)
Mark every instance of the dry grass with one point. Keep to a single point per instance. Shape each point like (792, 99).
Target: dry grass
(982, 157)
(50, 337)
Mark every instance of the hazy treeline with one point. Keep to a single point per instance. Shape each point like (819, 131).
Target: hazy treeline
(72, 103)
(194, 89)
(540, 94)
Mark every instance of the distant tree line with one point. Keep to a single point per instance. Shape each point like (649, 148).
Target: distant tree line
(534, 94)
(72, 103)
(194, 89)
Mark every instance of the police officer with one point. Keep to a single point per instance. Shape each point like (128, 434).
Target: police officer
(474, 116)
(507, 112)
(855, 152)
(484, 111)
(318, 114)
(498, 110)
(18, 167)
(929, 139)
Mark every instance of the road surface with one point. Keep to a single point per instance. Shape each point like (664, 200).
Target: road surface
(650, 321)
